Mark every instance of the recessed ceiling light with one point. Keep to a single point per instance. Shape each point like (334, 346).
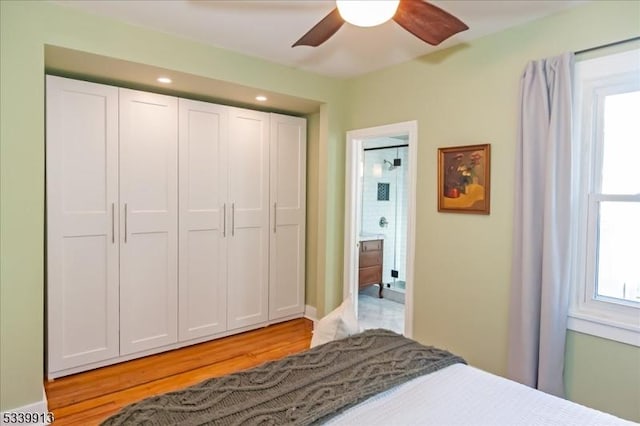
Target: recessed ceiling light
(165, 80)
(261, 98)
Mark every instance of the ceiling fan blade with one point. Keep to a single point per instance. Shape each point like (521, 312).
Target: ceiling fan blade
(427, 22)
(322, 31)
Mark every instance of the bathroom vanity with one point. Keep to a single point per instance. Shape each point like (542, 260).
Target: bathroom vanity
(370, 262)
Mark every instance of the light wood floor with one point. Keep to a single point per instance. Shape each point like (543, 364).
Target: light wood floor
(88, 398)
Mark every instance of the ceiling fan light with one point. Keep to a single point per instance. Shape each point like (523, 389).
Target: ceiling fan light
(365, 13)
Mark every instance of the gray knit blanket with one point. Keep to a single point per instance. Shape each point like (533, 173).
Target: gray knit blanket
(301, 389)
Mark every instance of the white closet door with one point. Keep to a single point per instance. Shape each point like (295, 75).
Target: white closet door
(288, 207)
(149, 212)
(203, 137)
(248, 243)
(82, 222)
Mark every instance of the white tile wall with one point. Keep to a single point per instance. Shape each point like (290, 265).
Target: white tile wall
(394, 210)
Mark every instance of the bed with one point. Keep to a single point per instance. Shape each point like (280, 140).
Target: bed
(464, 395)
(376, 377)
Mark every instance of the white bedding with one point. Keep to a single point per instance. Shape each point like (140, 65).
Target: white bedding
(464, 395)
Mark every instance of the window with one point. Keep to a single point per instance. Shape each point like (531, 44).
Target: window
(606, 269)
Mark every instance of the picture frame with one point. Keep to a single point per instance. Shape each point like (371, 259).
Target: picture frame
(464, 179)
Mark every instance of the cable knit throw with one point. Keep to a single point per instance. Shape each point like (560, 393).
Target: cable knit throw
(306, 388)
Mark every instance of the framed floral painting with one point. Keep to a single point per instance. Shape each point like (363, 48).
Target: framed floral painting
(463, 179)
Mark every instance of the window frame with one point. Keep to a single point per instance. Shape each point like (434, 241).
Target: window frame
(589, 313)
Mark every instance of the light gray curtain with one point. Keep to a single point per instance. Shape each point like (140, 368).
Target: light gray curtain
(542, 216)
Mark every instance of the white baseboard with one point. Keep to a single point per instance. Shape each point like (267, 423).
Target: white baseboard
(311, 313)
(40, 408)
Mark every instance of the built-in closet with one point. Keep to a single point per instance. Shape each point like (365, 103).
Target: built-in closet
(169, 222)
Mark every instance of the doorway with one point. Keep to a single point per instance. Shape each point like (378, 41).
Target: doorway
(379, 224)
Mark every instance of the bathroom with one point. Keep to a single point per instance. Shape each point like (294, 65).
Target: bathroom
(384, 226)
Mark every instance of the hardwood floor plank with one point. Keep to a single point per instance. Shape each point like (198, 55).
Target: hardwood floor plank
(163, 365)
(88, 398)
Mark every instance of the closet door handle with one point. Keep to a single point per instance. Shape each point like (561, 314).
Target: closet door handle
(113, 223)
(125, 222)
(233, 219)
(275, 216)
(224, 220)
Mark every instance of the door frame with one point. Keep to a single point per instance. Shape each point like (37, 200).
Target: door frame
(353, 208)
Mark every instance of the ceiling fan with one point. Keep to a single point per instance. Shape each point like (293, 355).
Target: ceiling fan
(424, 20)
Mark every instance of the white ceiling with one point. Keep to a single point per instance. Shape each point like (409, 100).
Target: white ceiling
(267, 29)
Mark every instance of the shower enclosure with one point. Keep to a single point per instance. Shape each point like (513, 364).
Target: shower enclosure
(384, 207)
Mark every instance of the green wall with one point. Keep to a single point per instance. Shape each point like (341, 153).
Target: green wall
(468, 95)
(26, 26)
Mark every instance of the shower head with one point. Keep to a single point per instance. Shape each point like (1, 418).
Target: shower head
(391, 166)
(396, 163)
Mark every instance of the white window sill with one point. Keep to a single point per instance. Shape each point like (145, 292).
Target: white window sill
(607, 329)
